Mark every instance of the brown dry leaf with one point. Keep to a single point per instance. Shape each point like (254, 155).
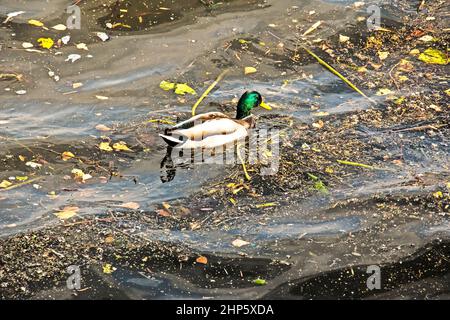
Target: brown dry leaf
(202, 260)
(130, 205)
(109, 239)
(67, 212)
(163, 213)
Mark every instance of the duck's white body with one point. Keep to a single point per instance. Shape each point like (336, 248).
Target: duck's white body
(208, 130)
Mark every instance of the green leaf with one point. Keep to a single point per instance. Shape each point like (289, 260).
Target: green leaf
(260, 282)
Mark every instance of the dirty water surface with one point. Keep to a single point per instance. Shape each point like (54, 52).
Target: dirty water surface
(360, 181)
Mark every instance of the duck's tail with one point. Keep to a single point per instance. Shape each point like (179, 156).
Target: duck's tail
(170, 140)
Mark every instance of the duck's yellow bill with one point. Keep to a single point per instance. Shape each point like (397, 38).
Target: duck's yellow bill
(265, 106)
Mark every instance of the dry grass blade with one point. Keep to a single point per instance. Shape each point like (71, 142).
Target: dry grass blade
(207, 91)
(334, 71)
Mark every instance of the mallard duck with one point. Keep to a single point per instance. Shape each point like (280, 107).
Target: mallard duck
(214, 129)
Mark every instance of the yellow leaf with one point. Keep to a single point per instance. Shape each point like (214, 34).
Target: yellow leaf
(447, 92)
(433, 56)
(67, 212)
(166, 85)
(21, 178)
(233, 201)
(384, 92)
(66, 155)
(46, 43)
(108, 269)
(22, 158)
(383, 55)
(183, 88)
(35, 23)
(77, 173)
(105, 146)
(121, 146)
(438, 194)
(249, 70)
(5, 184)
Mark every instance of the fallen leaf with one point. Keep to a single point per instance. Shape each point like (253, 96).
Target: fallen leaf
(130, 205)
(5, 184)
(45, 43)
(11, 15)
(414, 52)
(22, 158)
(21, 178)
(82, 46)
(163, 213)
(249, 70)
(121, 146)
(427, 38)
(36, 23)
(102, 97)
(67, 212)
(103, 36)
(109, 239)
(76, 85)
(384, 92)
(259, 282)
(105, 146)
(108, 269)
(265, 205)
(102, 127)
(239, 243)
(27, 45)
(65, 39)
(433, 56)
(343, 38)
(59, 27)
(33, 165)
(383, 55)
(66, 155)
(318, 125)
(73, 57)
(447, 92)
(202, 260)
(183, 88)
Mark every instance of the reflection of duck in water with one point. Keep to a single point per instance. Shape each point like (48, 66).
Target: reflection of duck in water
(210, 130)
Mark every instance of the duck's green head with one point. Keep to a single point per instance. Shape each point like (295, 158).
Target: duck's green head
(247, 102)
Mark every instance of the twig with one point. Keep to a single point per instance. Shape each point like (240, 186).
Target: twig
(208, 90)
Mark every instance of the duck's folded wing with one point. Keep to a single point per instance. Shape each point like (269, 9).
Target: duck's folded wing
(198, 119)
(214, 141)
(209, 128)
